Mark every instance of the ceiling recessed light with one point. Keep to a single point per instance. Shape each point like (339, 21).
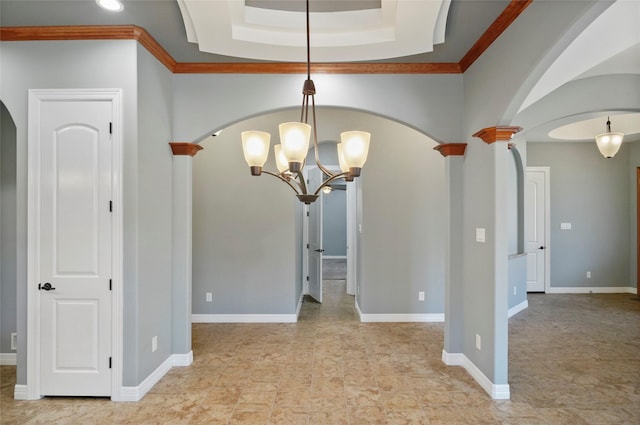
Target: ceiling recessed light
(111, 5)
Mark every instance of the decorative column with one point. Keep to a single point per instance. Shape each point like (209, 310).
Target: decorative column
(493, 358)
(183, 154)
(453, 295)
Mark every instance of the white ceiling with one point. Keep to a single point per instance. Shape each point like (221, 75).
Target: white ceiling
(610, 45)
(388, 29)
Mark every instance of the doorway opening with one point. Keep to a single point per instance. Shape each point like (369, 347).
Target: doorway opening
(330, 247)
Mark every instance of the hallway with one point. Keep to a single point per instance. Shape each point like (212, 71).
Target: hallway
(574, 360)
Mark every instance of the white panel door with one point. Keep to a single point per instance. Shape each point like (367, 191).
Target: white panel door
(315, 238)
(74, 248)
(536, 228)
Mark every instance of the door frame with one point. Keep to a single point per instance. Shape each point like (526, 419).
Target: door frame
(351, 235)
(547, 225)
(37, 97)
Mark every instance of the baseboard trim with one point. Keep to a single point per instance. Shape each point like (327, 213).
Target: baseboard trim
(399, 317)
(7, 359)
(518, 308)
(497, 392)
(138, 392)
(21, 392)
(299, 308)
(592, 290)
(244, 318)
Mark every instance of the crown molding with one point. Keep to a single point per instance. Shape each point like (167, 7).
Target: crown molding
(497, 134)
(133, 32)
(185, 148)
(451, 149)
(502, 22)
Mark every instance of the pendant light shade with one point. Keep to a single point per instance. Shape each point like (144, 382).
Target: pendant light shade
(294, 138)
(281, 160)
(255, 145)
(609, 143)
(355, 147)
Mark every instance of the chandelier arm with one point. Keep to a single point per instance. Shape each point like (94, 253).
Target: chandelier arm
(286, 180)
(315, 140)
(330, 180)
(301, 182)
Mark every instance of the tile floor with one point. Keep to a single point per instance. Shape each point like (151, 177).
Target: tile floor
(574, 359)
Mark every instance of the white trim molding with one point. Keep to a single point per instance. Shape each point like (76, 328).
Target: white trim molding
(138, 392)
(399, 317)
(518, 308)
(592, 290)
(21, 392)
(299, 308)
(7, 359)
(244, 318)
(497, 392)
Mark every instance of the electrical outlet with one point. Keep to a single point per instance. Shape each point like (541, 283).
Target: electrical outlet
(154, 344)
(478, 342)
(421, 296)
(14, 341)
(209, 297)
(588, 275)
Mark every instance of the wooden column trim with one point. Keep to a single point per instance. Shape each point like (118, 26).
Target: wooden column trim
(454, 149)
(184, 148)
(497, 134)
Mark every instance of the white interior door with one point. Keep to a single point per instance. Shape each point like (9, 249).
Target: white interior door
(314, 251)
(536, 228)
(73, 243)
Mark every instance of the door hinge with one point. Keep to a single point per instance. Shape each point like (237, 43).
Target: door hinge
(109, 362)
(307, 278)
(110, 128)
(307, 246)
(307, 213)
(110, 285)
(110, 206)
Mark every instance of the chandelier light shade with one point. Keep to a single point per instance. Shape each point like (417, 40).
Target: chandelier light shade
(255, 145)
(355, 149)
(609, 143)
(294, 145)
(294, 138)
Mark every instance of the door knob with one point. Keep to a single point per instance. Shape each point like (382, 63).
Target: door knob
(319, 250)
(46, 287)
(542, 247)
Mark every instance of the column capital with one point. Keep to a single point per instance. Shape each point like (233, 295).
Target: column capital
(497, 134)
(185, 148)
(455, 149)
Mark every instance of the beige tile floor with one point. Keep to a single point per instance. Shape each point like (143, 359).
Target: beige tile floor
(574, 359)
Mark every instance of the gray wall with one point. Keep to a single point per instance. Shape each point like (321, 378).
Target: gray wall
(402, 239)
(154, 213)
(246, 233)
(594, 195)
(334, 223)
(8, 218)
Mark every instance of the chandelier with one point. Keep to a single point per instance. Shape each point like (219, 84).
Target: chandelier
(609, 142)
(292, 151)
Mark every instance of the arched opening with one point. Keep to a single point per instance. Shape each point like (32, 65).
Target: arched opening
(247, 245)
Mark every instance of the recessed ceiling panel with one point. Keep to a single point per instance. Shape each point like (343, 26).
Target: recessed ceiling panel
(396, 28)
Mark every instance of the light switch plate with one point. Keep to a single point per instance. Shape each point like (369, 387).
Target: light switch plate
(565, 226)
(480, 234)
